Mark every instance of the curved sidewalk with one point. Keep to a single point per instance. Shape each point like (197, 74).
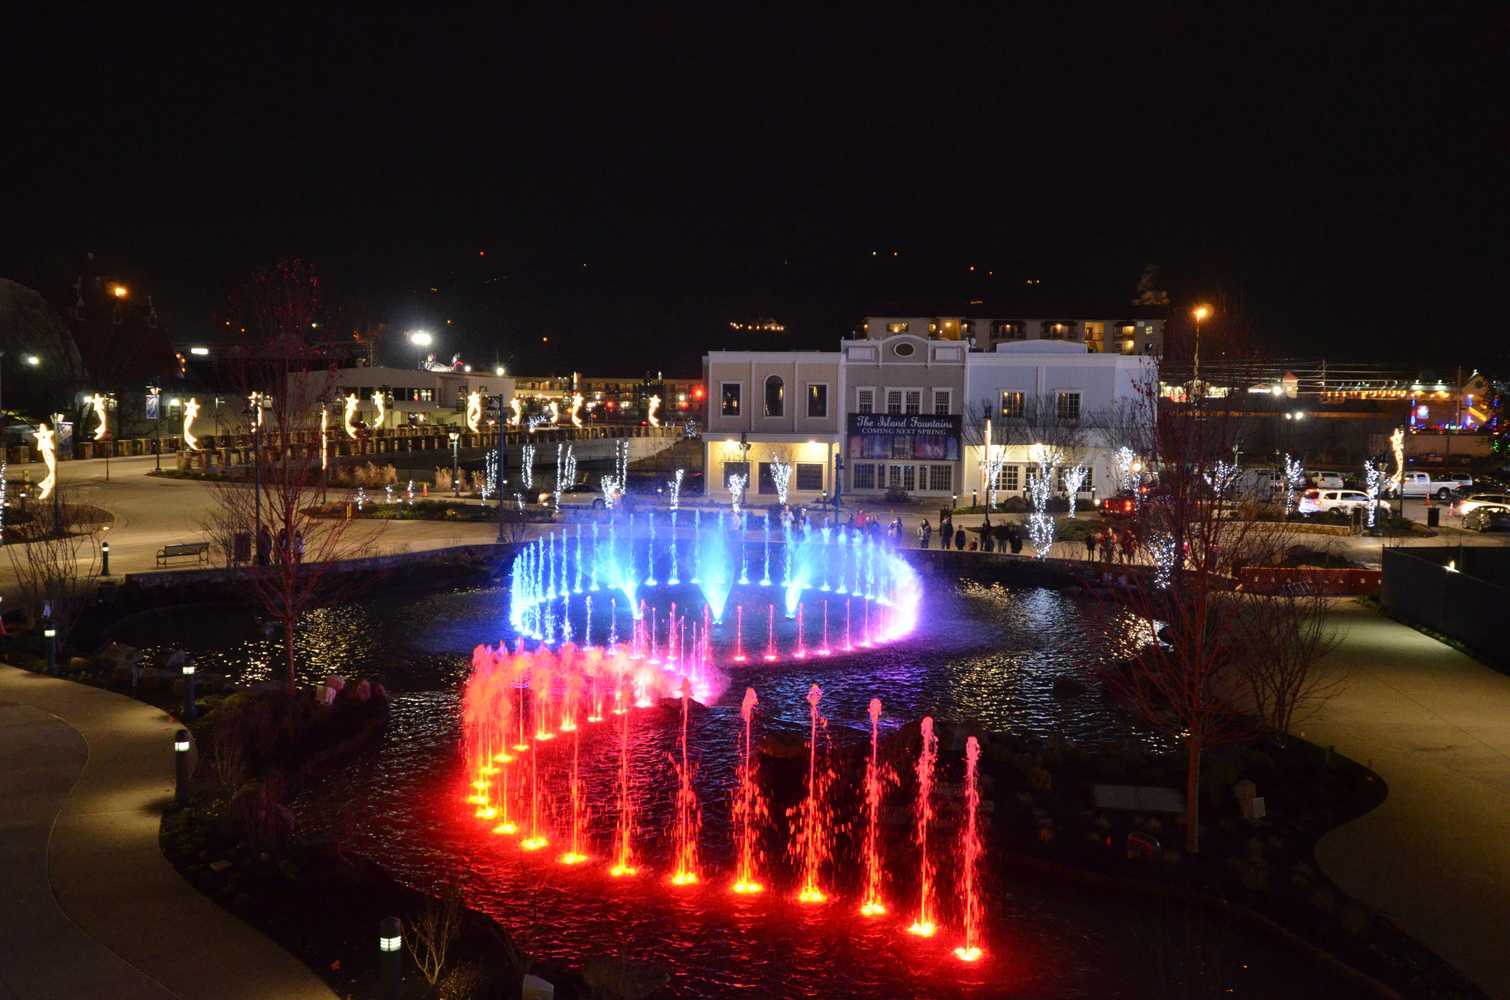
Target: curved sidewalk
(1436, 725)
(89, 907)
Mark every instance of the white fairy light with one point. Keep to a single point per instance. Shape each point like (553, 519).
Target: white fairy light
(1161, 549)
(675, 484)
(527, 468)
(3, 467)
(1294, 477)
(574, 411)
(994, 461)
(1220, 477)
(1373, 475)
(781, 475)
(101, 408)
(1125, 457)
(737, 491)
(379, 403)
(1040, 521)
(324, 432)
(516, 411)
(613, 489)
(388, 497)
(361, 497)
(1074, 478)
(650, 415)
(1397, 445)
(409, 494)
(353, 402)
(490, 474)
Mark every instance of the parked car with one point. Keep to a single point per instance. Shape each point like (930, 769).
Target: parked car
(1338, 503)
(1325, 480)
(1435, 484)
(1487, 518)
(1121, 505)
(1474, 501)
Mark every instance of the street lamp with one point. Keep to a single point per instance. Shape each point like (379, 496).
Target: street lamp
(119, 290)
(421, 338)
(1200, 313)
(455, 464)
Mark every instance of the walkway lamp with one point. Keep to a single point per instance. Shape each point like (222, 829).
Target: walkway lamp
(390, 955)
(181, 746)
(104, 559)
(188, 673)
(455, 464)
(50, 635)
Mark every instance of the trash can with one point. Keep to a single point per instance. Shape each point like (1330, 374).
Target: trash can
(1433, 516)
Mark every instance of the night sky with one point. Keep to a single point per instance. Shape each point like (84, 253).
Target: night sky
(636, 181)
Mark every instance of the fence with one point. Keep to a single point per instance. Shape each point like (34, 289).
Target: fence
(1457, 591)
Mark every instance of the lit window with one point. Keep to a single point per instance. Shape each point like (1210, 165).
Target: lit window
(941, 400)
(730, 395)
(897, 327)
(1008, 479)
(1011, 404)
(775, 396)
(1067, 406)
(817, 400)
(810, 476)
(732, 469)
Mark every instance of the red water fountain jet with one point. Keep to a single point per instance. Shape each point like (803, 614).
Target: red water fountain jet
(801, 651)
(537, 839)
(924, 925)
(770, 633)
(739, 634)
(574, 854)
(653, 657)
(848, 645)
(877, 776)
(823, 650)
(689, 821)
(865, 631)
(540, 687)
(749, 808)
(623, 858)
(812, 847)
(506, 827)
(970, 851)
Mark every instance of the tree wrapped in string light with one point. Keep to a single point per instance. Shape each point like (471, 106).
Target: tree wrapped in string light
(1220, 477)
(1074, 478)
(1125, 458)
(1046, 458)
(675, 485)
(1373, 476)
(1295, 477)
(737, 492)
(781, 476)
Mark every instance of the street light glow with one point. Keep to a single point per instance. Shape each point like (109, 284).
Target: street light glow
(1201, 312)
(200, 352)
(119, 291)
(421, 338)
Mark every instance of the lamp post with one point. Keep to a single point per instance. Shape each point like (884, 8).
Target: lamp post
(455, 464)
(156, 394)
(254, 414)
(50, 634)
(1200, 313)
(104, 559)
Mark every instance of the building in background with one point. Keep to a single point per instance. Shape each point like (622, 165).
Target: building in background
(413, 395)
(1102, 329)
(765, 406)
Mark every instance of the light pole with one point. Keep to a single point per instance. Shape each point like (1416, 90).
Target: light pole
(254, 414)
(1200, 313)
(455, 464)
(155, 401)
(503, 463)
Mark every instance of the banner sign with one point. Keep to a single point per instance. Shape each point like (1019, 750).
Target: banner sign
(923, 436)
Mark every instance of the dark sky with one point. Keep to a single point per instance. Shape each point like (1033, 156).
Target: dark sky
(1335, 182)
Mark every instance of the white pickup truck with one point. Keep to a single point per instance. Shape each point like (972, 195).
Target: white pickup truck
(1435, 484)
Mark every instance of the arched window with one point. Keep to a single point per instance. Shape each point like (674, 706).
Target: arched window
(775, 396)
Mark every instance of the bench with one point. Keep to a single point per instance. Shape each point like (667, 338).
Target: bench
(198, 549)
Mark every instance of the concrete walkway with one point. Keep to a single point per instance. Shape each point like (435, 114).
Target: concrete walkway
(1436, 725)
(89, 907)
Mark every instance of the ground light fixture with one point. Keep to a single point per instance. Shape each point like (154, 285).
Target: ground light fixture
(104, 559)
(181, 745)
(390, 945)
(50, 633)
(455, 464)
(188, 674)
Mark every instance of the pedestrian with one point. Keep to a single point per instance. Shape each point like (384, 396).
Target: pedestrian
(281, 552)
(925, 534)
(1129, 545)
(987, 539)
(959, 539)
(1091, 541)
(298, 546)
(899, 529)
(1108, 544)
(1016, 541)
(264, 544)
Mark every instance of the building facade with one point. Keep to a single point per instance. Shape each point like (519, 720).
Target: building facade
(1119, 330)
(1055, 394)
(412, 395)
(767, 406)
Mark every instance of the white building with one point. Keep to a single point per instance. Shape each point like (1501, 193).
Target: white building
(1103, 330)
(1053, 393)
(411, 394)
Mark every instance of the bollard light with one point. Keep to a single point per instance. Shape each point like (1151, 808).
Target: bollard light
(50, 633)
(188, 674)
(104, 559)
(181, 744)
(390, 941)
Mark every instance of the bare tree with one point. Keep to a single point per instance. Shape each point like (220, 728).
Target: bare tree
(285, 383)
(1189, 679)
(56, 558)
(1288, 633)
(430, 933)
